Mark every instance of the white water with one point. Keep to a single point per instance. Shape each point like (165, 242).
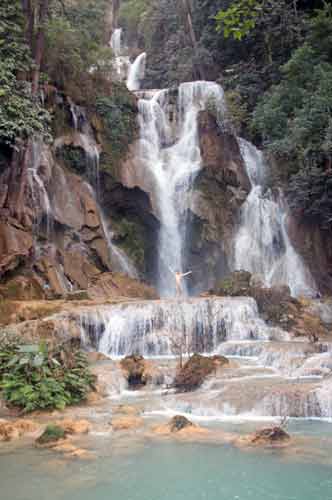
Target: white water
(40, 198)
(132, 73)
(173, 167)
(262, 244)
(150, 328)
(120, 260)
(136, 72)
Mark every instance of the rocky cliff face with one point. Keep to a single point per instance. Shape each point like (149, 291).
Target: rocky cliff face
(54, 236)
(220, 188)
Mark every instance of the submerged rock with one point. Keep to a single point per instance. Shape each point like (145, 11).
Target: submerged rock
(196, 369)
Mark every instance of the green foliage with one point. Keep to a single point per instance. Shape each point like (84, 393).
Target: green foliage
(40, 376)
(310, 195)
(132, 16)
(237, 111)
(74, 157)
(51, 433)
(131, 238)
(118, 113)
(76, 59)
(239, 19)
(20, 115)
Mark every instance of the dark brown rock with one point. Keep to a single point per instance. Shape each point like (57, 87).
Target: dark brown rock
(179, 422)
(195, 370)
(135, 371)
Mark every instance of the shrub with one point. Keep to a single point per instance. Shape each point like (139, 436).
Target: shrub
(51, 433)
(41, 376)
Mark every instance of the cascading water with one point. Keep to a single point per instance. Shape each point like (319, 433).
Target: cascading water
(136, 72)
(173, 159)
(148, 328)
(132, 73)
(38, 190)
(262, 245)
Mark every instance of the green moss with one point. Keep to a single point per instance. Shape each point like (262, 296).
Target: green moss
(118, 117)
(51, 433)
(74, 158)
(61, 124)
(236, 284)
(130, 236)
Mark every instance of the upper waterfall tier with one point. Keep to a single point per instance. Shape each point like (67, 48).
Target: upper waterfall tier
(170, 153)
(154, 328)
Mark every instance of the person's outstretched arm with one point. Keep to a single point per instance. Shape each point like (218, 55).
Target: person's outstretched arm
(186, 274)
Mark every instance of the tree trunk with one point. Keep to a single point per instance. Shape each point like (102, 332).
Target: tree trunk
(40, 41)
(193, 40)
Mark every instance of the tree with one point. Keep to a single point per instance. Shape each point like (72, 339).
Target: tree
(20, 115)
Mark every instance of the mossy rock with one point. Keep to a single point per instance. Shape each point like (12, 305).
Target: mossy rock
(234, 285)
(130, 237)
(51, 434)
(196, 369)
(74, 158)
(115, 122)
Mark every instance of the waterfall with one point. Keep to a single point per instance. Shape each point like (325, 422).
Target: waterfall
(172, 157)
(115, 42)
(132, 73)
(136, 72)
(120, 260)
(40, 198)
(262, 244)
(149, 328)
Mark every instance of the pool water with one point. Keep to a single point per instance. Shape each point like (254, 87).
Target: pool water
(166, 470)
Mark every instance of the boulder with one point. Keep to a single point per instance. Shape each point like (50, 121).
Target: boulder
(178, 423)
(134, 368)
(268, 436)
(196, 370)
(51, 435)
(180, 427)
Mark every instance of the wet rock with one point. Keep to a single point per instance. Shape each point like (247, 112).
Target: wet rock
(180, 427)
(275, 305)
(70, 426)
(128, 422)
(109, 285)
(134, 368)
(178, 423)
(195, 370)
(78, 295)
(14, 429)
(273, 436)
(15, 246)
(22, 288)
(237, 284)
